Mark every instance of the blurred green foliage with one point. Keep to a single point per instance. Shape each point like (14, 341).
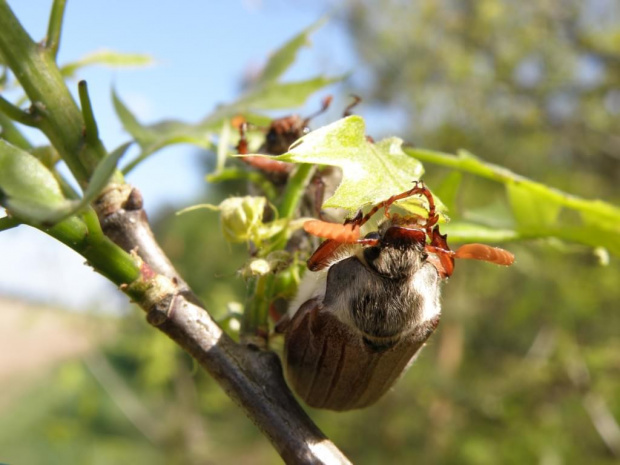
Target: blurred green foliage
(525, 365)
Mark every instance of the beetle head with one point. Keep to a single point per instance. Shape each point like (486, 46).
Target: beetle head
(399, 251)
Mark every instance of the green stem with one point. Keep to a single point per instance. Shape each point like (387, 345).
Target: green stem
(102, 254)
(17, 114)
(255, 324)
(61, 119)
(54, 27)
(295, 189)
(12, 135)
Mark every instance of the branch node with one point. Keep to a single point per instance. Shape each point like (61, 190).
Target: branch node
(134, 200)
(156, 317)
(28, 118)
(162, 311)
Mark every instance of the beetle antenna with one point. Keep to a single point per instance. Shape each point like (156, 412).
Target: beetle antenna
(325, 103)
(356, 100)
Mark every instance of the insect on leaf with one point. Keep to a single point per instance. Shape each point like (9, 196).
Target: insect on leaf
(372, 172)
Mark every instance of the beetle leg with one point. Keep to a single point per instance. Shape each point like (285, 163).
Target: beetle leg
(324, 254)
(418, 189)
(268, 164)
(439, 247)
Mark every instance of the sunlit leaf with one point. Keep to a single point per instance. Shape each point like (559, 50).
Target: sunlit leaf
(108, 58)
(32, 191)
(461, 231)
(100, 177)
(157, 136)
(372, 172)
(537, 216)
(448, 189)
(102, 174)
(131, 124)
(28, 189)
(529, 208)
(274, 96)
(284, 57)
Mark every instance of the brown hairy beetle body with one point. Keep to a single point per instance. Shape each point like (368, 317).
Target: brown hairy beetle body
(360, 320)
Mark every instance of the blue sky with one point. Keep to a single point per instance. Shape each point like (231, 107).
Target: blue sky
(202, 50)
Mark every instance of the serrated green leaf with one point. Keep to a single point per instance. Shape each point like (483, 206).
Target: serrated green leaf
(372, 172)
(107, 58)
(284, 57)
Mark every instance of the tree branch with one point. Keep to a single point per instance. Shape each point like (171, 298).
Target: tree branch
(129, 256)
(251, 377)
(59, 117)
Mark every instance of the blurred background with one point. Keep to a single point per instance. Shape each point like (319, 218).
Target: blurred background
(525, 366)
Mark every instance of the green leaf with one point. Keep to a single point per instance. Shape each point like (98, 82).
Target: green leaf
(28, 189)
(274, 96)
(103, 173)
(33, 193)
(270, 97)
(157, 136)
(529, 208)
(284, 57)
(131, 124)
(461, 231)
(448, 190)
(100, 177)
(107, 58)
(7, 222)
(536, 206)
(372, 172)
